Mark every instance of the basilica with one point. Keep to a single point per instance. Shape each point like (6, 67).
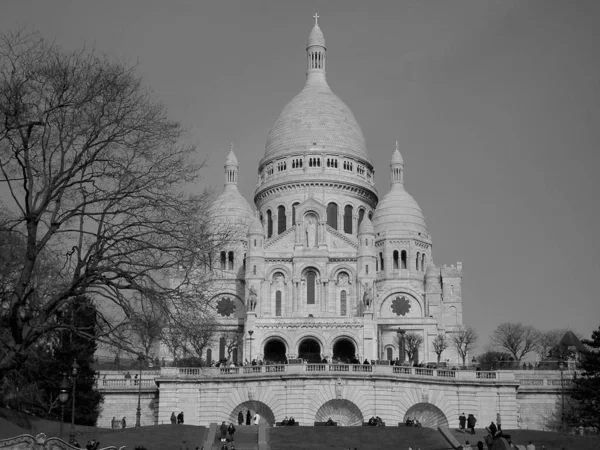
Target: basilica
(324, 267)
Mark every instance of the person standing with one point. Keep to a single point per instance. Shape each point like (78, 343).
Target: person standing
(256, 419)
(462, 420)
(173, 418)
(530, 446)
(123, 423)
(493, 429)
(180, 418)
(248, 417)
(231, 432)
(223, 429)
(240, 418)
(471, 421)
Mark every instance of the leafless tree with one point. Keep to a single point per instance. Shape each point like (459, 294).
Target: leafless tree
(200, 332)
(463, 342)
(516, 338)
(440, 343)
(411, 343)
(97, 177)
(231, 340)
(548, 340)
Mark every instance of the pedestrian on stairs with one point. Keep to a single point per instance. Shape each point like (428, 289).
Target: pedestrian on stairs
(231, 432)
(223, 429)
(240, 418)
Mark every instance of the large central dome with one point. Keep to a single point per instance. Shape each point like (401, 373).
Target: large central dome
(316, 117)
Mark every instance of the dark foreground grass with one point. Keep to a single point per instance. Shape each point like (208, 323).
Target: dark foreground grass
(362, 438)
(157, 437)
(552, 440)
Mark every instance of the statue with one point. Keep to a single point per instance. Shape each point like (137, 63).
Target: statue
(252, 298)
(368, 296)
(311, 233)
(343, 279)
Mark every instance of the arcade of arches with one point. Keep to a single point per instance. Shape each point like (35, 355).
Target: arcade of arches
(344, 350)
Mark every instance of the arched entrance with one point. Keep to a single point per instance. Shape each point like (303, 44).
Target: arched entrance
(274, 351)
(310, 349)
(344, 412)
(344, 351)
(429, 415)
(253, 406)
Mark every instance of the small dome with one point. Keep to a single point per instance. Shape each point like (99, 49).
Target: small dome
(231, 160)
(399, 212)
(316, 37)
(397, 157)
(230, 208)
(366, 226)
(256, 227)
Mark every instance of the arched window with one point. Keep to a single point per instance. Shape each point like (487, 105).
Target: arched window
(390, 353)
(418, 260)
(367, 269)
(244, 262)
(223, 260)
(221, 348)
(310, 288)
(281, 219)
(254, 270)
(332, 214)
(403, 257)
(423, 262)
(361, 216)
(348, 219)
(343, 303)
(380, 261)
(396, 259)
(278, 303)
(376, 265)
(294, 213)
(370, 215)
(230, 261)
(269, 224)
(208, 357)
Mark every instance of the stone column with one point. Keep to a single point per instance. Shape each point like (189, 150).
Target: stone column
(275, 218)
(321, 234)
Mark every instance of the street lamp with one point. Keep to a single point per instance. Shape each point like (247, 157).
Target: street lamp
(561, 366)
(63, 397)
(138, 413)
(401, 334)
(250, 339)
(74, 374)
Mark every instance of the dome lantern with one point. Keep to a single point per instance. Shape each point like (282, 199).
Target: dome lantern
(231, 168)
(397, 167)
(315, 52)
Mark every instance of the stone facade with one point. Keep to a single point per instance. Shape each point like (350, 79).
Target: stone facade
(323, 268)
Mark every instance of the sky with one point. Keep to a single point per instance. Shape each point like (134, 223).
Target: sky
(495, 105)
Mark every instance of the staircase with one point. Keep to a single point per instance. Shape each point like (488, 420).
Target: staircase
(246, 438)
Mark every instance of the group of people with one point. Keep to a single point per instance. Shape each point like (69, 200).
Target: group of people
(469, 422)
(228, 434)
(375, 421)
(412, 422)
(249, 418)
(176, 419)
(288, 421)
(116, 424)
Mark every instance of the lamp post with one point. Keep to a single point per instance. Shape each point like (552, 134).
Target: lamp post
(138, 413)
(401, 334)
(74, 373)
(561, 366)
(63, 397)
(250, 339)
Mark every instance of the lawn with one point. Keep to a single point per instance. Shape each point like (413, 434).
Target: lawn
(362, 438)
(552, 441)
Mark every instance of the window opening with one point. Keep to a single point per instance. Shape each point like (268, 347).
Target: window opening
(332, 215)
(348, 219)
(230, 259)
(278, 303)
(281, 219)
(343, 303)
(269, 224)
(310, 288)
(403, 257)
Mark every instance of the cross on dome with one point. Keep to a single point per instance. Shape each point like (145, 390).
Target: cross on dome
(316, 17)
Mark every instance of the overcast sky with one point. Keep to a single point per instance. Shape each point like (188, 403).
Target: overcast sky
(495, 104)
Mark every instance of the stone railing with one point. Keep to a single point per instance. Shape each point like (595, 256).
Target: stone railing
(338, 370)
(544, 379)
(120, 383)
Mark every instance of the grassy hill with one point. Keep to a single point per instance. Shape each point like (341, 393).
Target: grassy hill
(362, 438)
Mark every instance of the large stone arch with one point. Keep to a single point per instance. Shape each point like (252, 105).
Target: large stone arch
(415, 305)
(383, 296)
(255, 406)
(429, 415)
(342, 411)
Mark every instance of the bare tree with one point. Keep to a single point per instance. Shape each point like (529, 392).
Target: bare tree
(440, 343)
(147, 328)
(463, 342)
(516, 338)
(412, 342)
(199, 333)
(96, 175)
